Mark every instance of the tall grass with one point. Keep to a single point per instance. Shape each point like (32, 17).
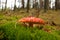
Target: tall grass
(23, 33)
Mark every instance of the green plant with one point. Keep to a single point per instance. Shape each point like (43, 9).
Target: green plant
(23, 33)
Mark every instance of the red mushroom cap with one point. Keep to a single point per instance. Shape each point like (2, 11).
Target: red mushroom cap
(32, 20)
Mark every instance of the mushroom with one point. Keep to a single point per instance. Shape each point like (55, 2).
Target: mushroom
(32, 20)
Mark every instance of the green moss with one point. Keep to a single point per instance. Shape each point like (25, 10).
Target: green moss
(22, 33)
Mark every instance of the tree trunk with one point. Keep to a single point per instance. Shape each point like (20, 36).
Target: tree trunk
(38, 9)
(46, 5)
(22, 3)
(34, 3)
(6, 5)
(15, 5)
(2, 7)
(41, 4)
(28, 5)
(57, 4)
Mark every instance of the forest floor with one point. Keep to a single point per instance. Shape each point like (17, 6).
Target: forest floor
(50, 15)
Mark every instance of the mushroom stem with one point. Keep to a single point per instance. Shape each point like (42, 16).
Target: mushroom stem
(30, 24)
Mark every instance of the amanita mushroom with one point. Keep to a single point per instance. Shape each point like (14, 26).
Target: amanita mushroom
(32, 20)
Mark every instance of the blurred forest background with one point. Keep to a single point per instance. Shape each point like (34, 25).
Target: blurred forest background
(12, 10)
(47, 9)
(30, 4)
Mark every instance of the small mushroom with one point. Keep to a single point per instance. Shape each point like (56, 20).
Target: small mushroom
(32, 20)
